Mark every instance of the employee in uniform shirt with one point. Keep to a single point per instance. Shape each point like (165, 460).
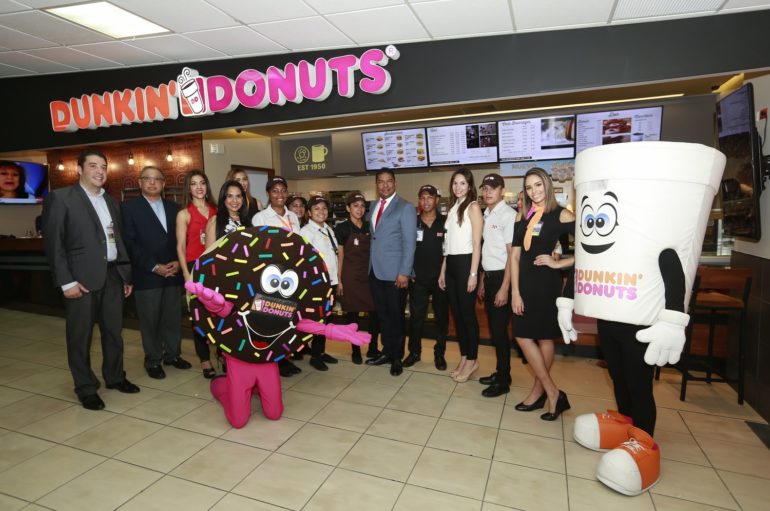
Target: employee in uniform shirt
(494, 285)
(428, 257)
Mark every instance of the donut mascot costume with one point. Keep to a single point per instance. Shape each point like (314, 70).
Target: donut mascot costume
(259, 294)
(642, 210)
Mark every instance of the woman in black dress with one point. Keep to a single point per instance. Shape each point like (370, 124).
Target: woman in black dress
(536, 282)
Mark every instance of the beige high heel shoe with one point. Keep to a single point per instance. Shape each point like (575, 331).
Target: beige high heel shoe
(459, 369)
(462, 378)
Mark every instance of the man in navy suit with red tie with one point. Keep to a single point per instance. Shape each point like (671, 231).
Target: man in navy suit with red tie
(149, 224)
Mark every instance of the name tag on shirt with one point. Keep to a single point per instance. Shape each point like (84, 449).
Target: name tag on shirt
(355, 241)
(110, 233)
(420, 234)
(536, 230)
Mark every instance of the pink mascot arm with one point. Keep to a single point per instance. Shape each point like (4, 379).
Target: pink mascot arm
(214, 302)
(348, 333)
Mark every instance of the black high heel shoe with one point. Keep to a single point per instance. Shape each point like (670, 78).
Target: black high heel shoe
(537, 405)
(562, 405)
(222, 364)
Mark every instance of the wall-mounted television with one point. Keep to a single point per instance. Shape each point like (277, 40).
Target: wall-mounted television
(541, 138)
(618, 126)
(395, 149)
(463, 144)
(23, 182)
(743, 176)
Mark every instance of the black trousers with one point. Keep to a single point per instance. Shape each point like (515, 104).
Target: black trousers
(391, 303)
(318, 345)
(419, 292)
(160, 320)
(499, 318)
(631, 376)
(374, 331)
(463, 304)
(201, 344)
(105, 307)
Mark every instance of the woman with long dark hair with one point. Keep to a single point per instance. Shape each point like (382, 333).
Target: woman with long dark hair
(459, 271)
(232, 212)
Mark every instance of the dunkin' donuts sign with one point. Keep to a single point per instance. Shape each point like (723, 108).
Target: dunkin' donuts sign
(193, 95)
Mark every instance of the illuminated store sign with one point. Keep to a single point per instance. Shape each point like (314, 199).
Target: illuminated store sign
(193, 95)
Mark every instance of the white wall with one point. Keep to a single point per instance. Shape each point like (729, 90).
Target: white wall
(245, 150)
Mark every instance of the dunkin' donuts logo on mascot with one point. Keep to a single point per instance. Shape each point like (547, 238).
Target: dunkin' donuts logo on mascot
(193, 95)
(613, 285)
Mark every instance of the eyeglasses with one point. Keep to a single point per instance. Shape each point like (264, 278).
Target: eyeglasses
(148, 179)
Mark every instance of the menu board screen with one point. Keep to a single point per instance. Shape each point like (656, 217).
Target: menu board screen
(463, 144)
(543, 138)
(618, 126)
(395, 149)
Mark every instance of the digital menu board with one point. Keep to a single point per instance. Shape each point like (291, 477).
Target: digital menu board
(395, 149)
(543, 138)
(463, 144)
(618, 126)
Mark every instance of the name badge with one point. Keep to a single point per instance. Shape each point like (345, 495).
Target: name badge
(355, 241)
(110, 233)
(537, 228)
(420, 234)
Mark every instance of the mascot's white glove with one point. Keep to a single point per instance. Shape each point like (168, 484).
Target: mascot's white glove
(564, 316)
(665, 337)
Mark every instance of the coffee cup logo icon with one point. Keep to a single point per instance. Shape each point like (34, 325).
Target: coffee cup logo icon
(190, 91)
(318, 153)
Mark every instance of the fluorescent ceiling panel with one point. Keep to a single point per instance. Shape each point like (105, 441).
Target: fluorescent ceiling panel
(107, 19)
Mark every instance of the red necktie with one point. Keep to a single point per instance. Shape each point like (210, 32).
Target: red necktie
(379, 213)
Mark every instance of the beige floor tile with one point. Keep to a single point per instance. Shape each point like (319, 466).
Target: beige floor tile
(741, 458)
(104, 487)
(579, 405)
(33, 478)
(322, 384)
(345, 368)
(474, 392)
(174, 378)
(232, 502)
(114, 435)
(530, 422)
(61, 426)
(345, 490)
(173, 493)
(264, 433)
(368, 393)
(43, 380)
(704, 426)
(380, 457)
(669, 419)
(17, 448)
(165, 449)
(9, 395)
(165, 408)
(451, 473)
(351, 416)
(415, 498)
(8, 503)
(318, 443)
(526, 488)
(680, 447)
(751, 492)
(208, 419)
(585, 495)
(403, 426)
(32, 330)
(119, 402)
(581, 462)
(284, 481)
(433, 383)
(63, 392)
(28, 410)
(197, 386)
(663, 503)
(301, 406)
(483, 413)
(221, 464)
(488, 506)
(18, 369)
(414, 401)
(464, 438)
(531, 451)
(694, 483)
(381, 375)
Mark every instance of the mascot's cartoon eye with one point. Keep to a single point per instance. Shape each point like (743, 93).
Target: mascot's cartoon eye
(588, 222)
(606, 219)
(289, 283)
(271, 279)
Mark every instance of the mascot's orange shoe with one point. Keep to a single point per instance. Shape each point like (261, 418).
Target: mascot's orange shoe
(633, 467)
(602, 431)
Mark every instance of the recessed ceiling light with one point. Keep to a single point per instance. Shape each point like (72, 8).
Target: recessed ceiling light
(107, 19)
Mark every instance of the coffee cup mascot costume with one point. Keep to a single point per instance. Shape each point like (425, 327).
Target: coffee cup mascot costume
(260, 294)
(642, 210)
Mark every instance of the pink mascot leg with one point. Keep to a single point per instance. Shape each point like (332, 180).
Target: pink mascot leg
(234, 390)
(269, 390)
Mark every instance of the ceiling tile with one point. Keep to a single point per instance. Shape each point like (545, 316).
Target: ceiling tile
(262, 11)
(32, 63)
(73, 58)
(336, 6)
(8, 71)
(462, 17)
(7, 6)
(628, 9)
(304, 34)
(178, 15)
(545, 14)
(50, 27)
(387, 24)
(121, 53)
(16, 40)
(40, 4)
(176, 47)
(745, 4)
(236, 41)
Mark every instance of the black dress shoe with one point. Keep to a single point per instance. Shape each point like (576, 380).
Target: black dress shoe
(534, 406)
(396, 368)
(285, 370)
(178, 362)
(92, 402)
(328, 358)
(318, 364)
(297, 356)
(381, 360)
(373, 353)
(562, 404)
(496, 389)
(124, 386)
(156, 372)
(356, 357)
(209, 373)
(440, 362)
(411, 360)
(488, 380)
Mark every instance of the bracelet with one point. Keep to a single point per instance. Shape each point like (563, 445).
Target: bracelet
(473, 274)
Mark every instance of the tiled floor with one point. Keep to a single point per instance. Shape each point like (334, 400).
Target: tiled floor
(351, 438)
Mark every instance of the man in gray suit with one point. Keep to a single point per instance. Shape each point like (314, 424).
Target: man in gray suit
(394, 236)
(89, 261)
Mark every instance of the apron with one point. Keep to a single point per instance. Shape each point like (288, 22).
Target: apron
(355, 274)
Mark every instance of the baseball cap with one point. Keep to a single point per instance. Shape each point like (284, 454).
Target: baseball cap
(275, 181)
(317, 199)
(429, 189)
(493, 180)
(354, 196)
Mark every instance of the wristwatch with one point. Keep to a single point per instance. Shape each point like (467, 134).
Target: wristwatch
(473, 274)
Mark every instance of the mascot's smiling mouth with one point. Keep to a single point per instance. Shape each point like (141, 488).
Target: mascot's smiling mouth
(596, 249)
